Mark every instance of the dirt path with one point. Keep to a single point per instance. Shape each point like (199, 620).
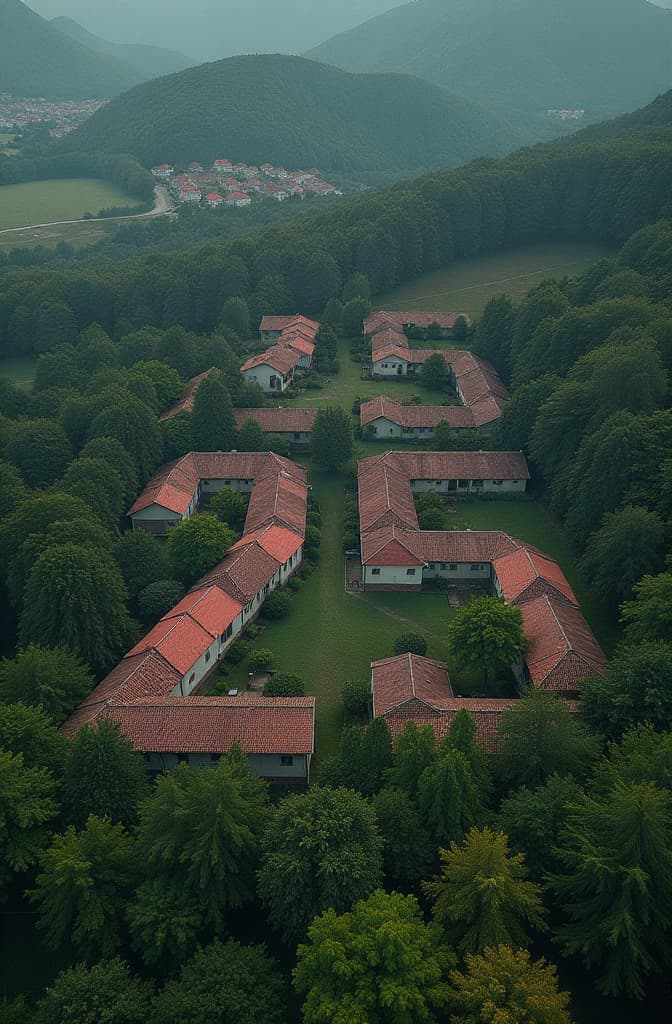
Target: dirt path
(162, 207)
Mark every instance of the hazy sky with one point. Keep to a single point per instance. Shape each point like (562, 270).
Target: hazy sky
(208, 29)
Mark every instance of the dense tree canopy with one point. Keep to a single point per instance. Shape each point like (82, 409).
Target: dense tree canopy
(52, 677)
(197, 544)
(104, 775)
(487, 633)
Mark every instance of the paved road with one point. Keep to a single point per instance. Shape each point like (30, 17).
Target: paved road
(162, 207)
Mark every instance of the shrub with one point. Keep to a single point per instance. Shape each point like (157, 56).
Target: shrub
(240, 650)
(284, 684)
(356, 694)
(410, 643)
(253, 631)
(276, 605)
(295, 583)
(261, 658)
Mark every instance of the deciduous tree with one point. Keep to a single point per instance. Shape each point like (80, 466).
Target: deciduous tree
(628, 545)
(29, 731)
(136, 428)
(40, 450)
(482, 896)
(539, 737)
(379, 964)
(533, 819)
(164, 922)
(434, 372)
(407, 848)
(106, 993)
(83, 885)
(212, 420)
(414, 751)
(27, 806)
(410, 643)
(637, 688)
(75, 597)
(321, 849)
(141, 559)
(230, 507)
(648, 617)
(251, 438)
(200, 830)
(223, 983)
(506, 986)
(104, 775)
(197, 544)
(487, 633)
(332, 439)
(52, 677)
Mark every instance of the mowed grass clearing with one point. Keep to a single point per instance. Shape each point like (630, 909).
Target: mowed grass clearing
(39, 202)
(469, 284)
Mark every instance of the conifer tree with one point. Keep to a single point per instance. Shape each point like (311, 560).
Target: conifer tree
(213, 422)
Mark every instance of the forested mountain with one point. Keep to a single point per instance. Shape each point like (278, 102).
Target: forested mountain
(292, 111)
(38, 60)
(606, 56)
(147, 61)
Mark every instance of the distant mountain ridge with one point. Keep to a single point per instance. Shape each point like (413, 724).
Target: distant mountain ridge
(37, 58)
(148, 61)
(606, 56)
(296, 112)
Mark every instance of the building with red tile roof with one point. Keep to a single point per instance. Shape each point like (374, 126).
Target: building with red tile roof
(413, 318)
(150, 692)
(387, 418)
(562, 647)
(397, 555)
(271, 327)
(294, 424)
(416, 689)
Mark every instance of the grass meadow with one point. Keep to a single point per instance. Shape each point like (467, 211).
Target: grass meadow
(468, 285)
(38, 202)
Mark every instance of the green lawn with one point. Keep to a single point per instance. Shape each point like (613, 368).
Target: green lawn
(20, 371)
(38, 202)
(79, 234)
(344, 387)
(469, 284)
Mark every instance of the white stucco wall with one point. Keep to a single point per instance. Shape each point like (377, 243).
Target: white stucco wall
(213, 486)
(461, 571)
(262, 375)
(390, 367)
(469, 486)
(382, 427)
(392, 575)
(267, 766)
(199, 669)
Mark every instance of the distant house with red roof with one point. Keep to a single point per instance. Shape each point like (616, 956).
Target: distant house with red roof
(273, 370)
(213, 200)
(238, 199)
(271, 327)
(163, 171)
(185, 402)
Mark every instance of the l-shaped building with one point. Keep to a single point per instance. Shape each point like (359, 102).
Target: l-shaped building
(397, 555)
(150, 692)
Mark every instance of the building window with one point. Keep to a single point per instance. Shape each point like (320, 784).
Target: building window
(191, 678)
(498, 483)
(452, 485)
(207, 656)
(477, 483)
(475, 567)
(462, 483)
(286, 760)
(437, 483)
(453, 566)
(297, 435)
(514, 481)
(227, 483)
(430, 565)
(410, 572)
(375, 572)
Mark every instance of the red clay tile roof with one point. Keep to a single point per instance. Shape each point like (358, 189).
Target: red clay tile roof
(297, 342)
(463, 545)
(211, 725)
(278, 357)
(278, 421)
(562, 647)
(395, 681)
(485, 411)
(278, 498)
(185, 402)
(279, 323)
(172, 487)
(243, 573)
(180, 640)
(415, 317)
(385, 497)
(385, 339)
(414, 415)
(147, 674)
(210, 607)
(487, 714)
(452, 465)
(526, 574)
(392, 546)
(277, 541)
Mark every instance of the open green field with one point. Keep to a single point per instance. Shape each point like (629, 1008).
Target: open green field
(79, 234)
(19, 371)
(38, 202)
(467, 286)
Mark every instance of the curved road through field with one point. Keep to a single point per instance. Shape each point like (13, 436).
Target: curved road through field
(163, 207)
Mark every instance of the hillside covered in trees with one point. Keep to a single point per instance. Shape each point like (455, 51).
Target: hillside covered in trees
(37, 59)
(287, 110)
(148, 61)
(606, 56)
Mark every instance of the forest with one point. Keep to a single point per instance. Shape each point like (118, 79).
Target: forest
(369, 897)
